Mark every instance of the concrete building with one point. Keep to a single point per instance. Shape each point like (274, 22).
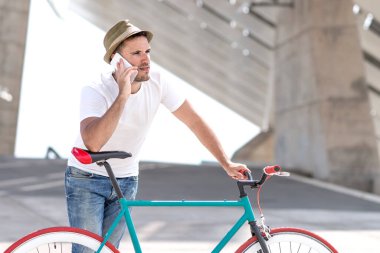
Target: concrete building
(13, 29)
(305, 71)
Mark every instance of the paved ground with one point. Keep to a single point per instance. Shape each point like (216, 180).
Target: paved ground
(32, 197)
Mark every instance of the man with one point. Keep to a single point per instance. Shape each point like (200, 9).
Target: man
(116, 114)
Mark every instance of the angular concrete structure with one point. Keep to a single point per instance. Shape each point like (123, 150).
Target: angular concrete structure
(322, 112)
(13, 28)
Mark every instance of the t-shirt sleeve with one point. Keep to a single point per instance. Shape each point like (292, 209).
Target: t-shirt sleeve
(92, 103)
(172, 97)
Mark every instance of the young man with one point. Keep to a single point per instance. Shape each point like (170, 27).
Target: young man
(115, 114)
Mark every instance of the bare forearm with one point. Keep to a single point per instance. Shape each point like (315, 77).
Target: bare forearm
(199, 127)
(97, 131)
(211, 142)
(208, 138)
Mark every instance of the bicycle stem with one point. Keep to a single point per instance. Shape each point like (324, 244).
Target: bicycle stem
(251, 183)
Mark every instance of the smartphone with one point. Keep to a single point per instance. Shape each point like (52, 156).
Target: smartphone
(116, 58)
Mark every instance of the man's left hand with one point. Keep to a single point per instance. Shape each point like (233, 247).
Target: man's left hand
(236, 170)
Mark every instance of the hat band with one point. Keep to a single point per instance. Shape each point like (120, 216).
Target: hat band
(124, 36)
(119, 39)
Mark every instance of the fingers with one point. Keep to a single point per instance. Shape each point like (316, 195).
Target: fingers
(128, 72)
(238, 172)
(245, 173)
(124, 73)
(121, 67)
(237, 175)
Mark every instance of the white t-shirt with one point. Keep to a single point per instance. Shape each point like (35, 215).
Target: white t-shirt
(135, 120)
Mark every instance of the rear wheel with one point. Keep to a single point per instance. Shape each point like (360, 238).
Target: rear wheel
(59, 239)
(290, 240)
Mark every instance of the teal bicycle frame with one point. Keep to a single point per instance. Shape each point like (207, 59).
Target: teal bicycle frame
(248, 215)
(125, 204)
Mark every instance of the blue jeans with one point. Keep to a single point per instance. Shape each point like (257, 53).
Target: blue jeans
(92, 203)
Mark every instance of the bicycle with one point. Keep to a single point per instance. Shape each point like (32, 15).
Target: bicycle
(262, 240)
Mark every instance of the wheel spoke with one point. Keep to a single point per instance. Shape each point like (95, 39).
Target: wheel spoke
(289, 240)
(299, 249)
(59, 240)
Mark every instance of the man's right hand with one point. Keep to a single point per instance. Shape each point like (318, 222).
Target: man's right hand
(122, 76)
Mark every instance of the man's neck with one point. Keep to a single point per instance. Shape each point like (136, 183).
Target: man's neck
(135, 87)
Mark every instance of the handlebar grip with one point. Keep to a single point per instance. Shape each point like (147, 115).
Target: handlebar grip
(272, 170)
(248, 174)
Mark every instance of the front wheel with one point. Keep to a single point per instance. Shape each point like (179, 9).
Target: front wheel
(59, 239)
(290, 240)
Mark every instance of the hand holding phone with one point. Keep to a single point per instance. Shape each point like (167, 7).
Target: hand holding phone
(116, 58)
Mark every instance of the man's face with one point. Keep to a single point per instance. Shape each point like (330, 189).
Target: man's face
(137, 52)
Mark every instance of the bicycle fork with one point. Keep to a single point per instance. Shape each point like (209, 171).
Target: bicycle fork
(255, 230)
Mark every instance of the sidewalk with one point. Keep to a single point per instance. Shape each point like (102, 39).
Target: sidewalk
(32, 197)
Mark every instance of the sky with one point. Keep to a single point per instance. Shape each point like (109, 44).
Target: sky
(64, 54)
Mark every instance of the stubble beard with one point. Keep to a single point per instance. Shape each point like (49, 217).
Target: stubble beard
(142, 78)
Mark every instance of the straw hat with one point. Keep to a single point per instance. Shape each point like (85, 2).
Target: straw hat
(117, 34)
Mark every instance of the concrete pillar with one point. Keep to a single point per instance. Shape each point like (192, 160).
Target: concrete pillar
(322, 113)
(13, 27)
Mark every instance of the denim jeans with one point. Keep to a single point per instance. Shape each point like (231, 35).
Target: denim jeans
(92, 203)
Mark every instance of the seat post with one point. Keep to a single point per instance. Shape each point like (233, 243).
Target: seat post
(112, 178)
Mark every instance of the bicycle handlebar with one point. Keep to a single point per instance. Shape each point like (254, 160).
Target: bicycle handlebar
(273, 170)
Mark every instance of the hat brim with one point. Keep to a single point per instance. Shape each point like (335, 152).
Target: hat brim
(111, 50)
